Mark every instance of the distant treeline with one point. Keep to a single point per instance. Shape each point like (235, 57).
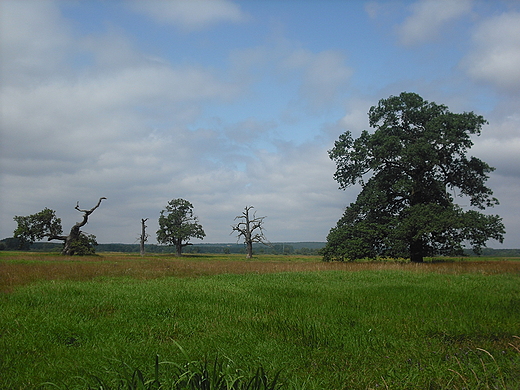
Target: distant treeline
(293, 248)
(300, 248)
(290, 248)
(490, 252)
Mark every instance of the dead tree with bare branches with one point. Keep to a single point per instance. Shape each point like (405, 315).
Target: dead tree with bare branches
(143, 237)
(250, 228)
(75, 242)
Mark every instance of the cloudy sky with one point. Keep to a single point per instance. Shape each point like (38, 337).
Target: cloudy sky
(234, 103)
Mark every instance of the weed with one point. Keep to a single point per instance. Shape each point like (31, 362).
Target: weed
(192, 375)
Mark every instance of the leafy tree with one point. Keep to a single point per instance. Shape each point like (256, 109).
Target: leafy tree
(45, 224)
(177, 225)
(246, 229)
(408, 169)
(37, 226)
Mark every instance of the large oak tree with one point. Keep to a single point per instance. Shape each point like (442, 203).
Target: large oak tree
(411, 169)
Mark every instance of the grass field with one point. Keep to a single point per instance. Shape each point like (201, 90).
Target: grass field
(85, 323)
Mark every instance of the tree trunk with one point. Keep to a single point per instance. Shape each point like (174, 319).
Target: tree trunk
(416, 251)
(70, 239)
(178, 247)
(416, 244)
(249, 246)
(143, 236)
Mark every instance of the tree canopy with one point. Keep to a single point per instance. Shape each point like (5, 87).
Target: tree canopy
(411, 169)
(34, 227)
(177, 225)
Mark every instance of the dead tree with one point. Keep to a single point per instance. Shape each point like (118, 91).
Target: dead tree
(143, 237)
(246, 229)
(75, 235)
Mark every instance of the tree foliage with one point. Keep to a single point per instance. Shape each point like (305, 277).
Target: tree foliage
(177, 225)
(408, 169)
(250, 229)
(35, 227)
(84, 245)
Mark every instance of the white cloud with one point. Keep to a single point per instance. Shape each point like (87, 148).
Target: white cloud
(428, 18)
(495, 58)
(190, 15)
(356, 117)
(32, 40)
(499, 145)
(77, 119)
(109, 49)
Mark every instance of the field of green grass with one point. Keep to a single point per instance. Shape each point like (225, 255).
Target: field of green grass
(100, 322)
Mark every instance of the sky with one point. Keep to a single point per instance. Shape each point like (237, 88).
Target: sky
(229, 104)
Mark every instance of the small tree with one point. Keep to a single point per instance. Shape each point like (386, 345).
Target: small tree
(177, 225)
(45, 224)
(143, 237)
(246, 229)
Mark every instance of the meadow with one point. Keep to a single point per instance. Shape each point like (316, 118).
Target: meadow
(120, 321)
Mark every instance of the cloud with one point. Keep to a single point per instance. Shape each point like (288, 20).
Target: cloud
(191, 15)
(33, 40)
(318, 78)
(499, 145)
(78, 120)
(495, 58)
(356, 117)
(428, 18)
(249, 130)
(325, 75)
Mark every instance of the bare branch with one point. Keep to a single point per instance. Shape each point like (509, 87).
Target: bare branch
(86, 213)
(92, 209)
(246, 229)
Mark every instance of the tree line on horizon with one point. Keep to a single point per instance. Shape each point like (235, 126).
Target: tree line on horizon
(279, 248)
(411, 169)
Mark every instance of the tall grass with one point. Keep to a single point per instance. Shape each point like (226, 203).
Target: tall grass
(20, 268)
(387, 328)
(192, 375)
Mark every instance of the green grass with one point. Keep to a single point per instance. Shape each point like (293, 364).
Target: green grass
(322, 330)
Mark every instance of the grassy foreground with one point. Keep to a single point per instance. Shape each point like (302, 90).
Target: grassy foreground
(87, 323)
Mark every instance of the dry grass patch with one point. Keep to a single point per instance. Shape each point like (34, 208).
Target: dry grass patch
(21, 268)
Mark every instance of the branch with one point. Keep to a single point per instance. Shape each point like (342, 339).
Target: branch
(92, 209)
(86, 213)
(62, 238)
